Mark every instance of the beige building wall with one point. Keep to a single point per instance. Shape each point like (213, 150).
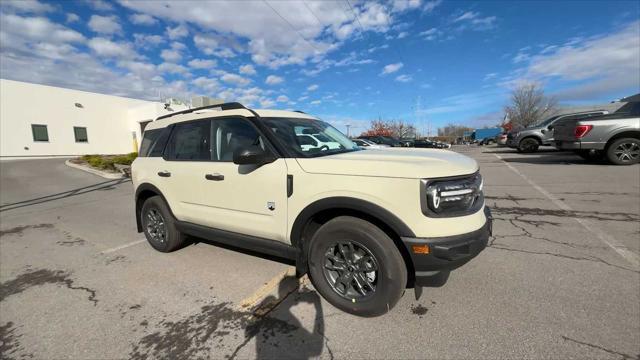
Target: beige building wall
(111, 121)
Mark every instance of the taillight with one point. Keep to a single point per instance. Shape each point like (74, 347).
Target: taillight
(581, 130)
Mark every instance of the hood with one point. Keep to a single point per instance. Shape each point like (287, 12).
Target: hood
(392, 162)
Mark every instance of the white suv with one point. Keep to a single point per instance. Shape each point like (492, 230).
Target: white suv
(364, 224)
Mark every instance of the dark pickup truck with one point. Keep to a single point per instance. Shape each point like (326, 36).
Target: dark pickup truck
(615, 137)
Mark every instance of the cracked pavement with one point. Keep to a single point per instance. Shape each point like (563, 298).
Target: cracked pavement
(544, 288)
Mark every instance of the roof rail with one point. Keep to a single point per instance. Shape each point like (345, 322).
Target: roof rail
(299, 111)
(224, 106)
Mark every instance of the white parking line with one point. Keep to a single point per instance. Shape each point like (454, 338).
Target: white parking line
(609, 240)
(123, 246)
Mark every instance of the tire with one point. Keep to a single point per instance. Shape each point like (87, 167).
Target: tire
(159, 225)
(625, 151)
(379, 290)
(528, 145)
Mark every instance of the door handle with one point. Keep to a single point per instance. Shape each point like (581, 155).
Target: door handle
(164, 173)
(214, 177)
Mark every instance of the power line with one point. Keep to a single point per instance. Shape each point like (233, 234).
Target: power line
(292, 27)
(312, 13)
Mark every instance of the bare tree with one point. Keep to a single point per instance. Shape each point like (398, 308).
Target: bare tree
(397, 128)
(402, 129)
(529, 105)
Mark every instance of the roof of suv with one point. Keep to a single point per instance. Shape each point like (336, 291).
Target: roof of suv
(219, 110)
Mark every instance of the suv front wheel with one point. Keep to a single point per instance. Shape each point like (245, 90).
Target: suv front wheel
(159, 225)
(356, 266)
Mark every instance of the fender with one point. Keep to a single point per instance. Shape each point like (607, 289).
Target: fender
(347, 203)
(141, 188)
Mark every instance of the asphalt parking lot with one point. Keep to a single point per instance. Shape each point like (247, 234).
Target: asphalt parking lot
(560, 278)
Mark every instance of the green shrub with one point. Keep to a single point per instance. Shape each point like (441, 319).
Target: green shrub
(107, 162)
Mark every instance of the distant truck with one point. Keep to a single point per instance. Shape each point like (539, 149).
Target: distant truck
(480, 134)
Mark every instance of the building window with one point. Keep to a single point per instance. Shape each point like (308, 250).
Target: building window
(80, 134)
(39, 132)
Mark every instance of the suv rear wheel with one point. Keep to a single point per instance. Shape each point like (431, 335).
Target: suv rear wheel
(356, 266)
(159, 225)
(528, 145)
(625, 151)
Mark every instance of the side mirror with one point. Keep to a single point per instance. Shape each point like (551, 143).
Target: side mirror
(543, 131)
(252, 155)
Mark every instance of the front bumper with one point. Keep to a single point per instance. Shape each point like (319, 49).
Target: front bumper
(447, 253)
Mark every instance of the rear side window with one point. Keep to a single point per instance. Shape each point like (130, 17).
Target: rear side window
(148, 139)
(190, 141)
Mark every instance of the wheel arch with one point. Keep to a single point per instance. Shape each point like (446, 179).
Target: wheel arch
(623, 134)
(143, 192)
(535, 137)
(316, 214)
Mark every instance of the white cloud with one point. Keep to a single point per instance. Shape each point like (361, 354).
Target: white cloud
(266, 103)
(207, 84)
(269, 40)
(403, 5)
(107, 48)
(475, 21)
(391, 68)
(20, 31)
(430, 34)
(171, 68)
(282, 98)
(403, 35)
(235, 79)
(430, 5)
(143, 19)
(273, 80)
(100, 5)
(177, 32)
(520, 57)
(376, 48)
(247, 69)
(313, 87)
(404, 78)
(202, 64)
(218, 45)
(316, 102)
(26, 6)
(489, 76)
(145, 40)
(105, 24)
(599, 65)
(171, 55)
(71, 18)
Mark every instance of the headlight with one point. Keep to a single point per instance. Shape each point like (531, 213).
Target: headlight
(454, 197)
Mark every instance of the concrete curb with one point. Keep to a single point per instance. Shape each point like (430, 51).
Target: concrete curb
(104, 174)
(272, 293)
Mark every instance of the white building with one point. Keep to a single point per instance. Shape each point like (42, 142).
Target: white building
(42, 121)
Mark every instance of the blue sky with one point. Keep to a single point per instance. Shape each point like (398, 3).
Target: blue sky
(428, 62)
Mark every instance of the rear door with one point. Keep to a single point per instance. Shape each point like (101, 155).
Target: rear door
(180, 174)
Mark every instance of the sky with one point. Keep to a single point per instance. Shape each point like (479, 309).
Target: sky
(429, 62)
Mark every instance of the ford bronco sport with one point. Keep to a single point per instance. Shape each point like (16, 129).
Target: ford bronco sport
(364, 224)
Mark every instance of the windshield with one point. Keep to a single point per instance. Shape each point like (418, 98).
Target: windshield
(294, 134)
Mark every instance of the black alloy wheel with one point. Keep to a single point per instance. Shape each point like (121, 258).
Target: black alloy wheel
(351, 269)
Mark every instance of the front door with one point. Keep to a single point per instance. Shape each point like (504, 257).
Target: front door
(247, 199)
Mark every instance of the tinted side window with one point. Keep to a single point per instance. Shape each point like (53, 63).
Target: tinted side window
(148, 138)
(231, 135)
(190, 141)
(157, 148)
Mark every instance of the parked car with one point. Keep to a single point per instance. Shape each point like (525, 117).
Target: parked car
(363, 224)
(528, 140)
(490, 133)
(366, 144)
(501, 139)
(615, 137)
(407, 142)
(425, 143)
(309, 141)
(382, 140)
